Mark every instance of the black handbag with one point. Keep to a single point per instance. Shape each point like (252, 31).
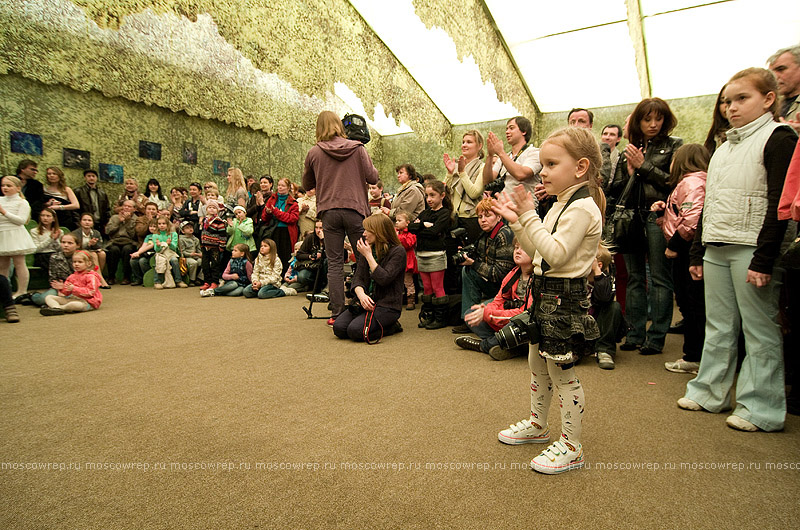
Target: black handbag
(624, 232)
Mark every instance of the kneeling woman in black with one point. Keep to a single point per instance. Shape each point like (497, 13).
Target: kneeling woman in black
(377, 283)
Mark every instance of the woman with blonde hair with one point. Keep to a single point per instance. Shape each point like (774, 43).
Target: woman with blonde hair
(340, 170)
(61, 198)
(465, 183)
(236, 193)
(377, 284)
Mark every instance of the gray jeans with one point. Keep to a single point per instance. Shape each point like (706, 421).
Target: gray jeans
(338, 223)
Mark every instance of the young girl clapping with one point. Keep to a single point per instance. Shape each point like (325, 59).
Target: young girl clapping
(563, 247)
(47, 238)
(15, 241)
(431, 228)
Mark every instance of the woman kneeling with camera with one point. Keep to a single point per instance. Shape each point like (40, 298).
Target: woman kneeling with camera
(377, 284)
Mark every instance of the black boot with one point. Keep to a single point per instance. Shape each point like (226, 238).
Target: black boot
(426, 311)
(440, 307)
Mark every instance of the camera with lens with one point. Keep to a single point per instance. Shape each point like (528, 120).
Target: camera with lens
(467, 249)
(521, 329)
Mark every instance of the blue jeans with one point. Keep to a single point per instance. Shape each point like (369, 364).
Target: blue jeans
(659, 294)
(231, 288)
(732, 302)
(38, 298)
(266, 291)
(139, 266)
(474, 289)
(176, 272)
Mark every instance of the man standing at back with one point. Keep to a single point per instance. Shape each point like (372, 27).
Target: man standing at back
(32, 189)
(518, 166)
(785, 64)
(93, 200)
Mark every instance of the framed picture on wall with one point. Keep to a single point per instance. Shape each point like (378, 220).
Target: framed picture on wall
(221, 167)
(76, 158)
(189, 153)
(149, 150)
(112, 173)
(26, 143)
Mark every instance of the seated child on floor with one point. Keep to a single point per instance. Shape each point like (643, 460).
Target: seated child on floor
(80, 292)
(266, 276)
(236, 275)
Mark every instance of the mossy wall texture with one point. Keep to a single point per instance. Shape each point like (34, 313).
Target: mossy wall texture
(694, 118)
(110, 129)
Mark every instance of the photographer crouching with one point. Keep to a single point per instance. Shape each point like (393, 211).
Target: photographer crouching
(487, 263)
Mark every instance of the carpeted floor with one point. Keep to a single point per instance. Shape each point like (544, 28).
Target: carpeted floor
(165, 410)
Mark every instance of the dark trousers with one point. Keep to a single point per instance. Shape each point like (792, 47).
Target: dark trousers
(115, 253)
(690, 298)
(350, 326)
(283, 247)
(210, 265)
(612, 327)
(338, 223)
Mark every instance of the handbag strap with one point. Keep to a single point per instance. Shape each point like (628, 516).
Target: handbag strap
(623, 198)
(582, 193)
(367, 324)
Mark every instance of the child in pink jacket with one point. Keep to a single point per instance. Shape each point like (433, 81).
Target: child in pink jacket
(681, 213)
(79, 292)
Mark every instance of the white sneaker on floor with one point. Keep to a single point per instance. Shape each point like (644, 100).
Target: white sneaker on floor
(524, 432)
(558, 458)
(605, 360)
(740, 424)
(688, 404)
(207, 293)
(682, 367)
(288, 291)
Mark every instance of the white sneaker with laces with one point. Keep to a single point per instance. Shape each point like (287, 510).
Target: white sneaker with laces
(207, 293)
(524, 432)
(288, 291)
(558, 458)
(682, 367)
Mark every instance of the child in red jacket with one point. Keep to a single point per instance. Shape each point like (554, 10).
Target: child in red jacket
(79, 292)
(409, 241)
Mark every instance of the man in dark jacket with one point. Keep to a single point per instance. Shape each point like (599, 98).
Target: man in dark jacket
(94, 200)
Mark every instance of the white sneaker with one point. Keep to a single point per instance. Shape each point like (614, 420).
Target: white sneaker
(605, 360)
(558, 458)
(288, 291)
(207, 293)
(688, 404)
(524, 432)
(682, 367)
(740, 424)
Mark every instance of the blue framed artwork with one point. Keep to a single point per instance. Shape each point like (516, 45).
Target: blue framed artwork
(112, 173)
(76, 158)
(26, 143)
(149, 150)
(221, 167)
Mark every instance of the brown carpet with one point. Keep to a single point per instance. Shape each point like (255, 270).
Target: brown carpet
(323, 433)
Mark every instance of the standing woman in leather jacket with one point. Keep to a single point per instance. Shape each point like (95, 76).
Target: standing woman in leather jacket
(647, 159)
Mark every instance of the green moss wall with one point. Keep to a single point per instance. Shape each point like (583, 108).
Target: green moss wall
(110, 129)
(694, 118)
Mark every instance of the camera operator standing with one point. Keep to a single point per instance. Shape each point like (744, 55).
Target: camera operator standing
(490, 261)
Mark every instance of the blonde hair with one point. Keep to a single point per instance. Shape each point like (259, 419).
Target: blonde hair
(85, 255)
(329, 126)
(16, 182)
(62, 181)
(580, 143)
(603, 256)
(170, 228)
(478, 140)
(237, 181)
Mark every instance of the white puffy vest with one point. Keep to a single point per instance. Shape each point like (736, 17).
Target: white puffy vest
(736, 187)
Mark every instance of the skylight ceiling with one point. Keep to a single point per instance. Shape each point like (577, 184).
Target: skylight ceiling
(580, 52)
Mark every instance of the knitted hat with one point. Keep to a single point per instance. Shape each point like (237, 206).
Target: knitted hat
(212, 202)
(239, 207)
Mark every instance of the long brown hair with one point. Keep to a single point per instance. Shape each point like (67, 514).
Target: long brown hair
(273, 252)
(719, 124)
(688, 158)
(385, 234)
(62, 181)
(329, 126)
(54, 226)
